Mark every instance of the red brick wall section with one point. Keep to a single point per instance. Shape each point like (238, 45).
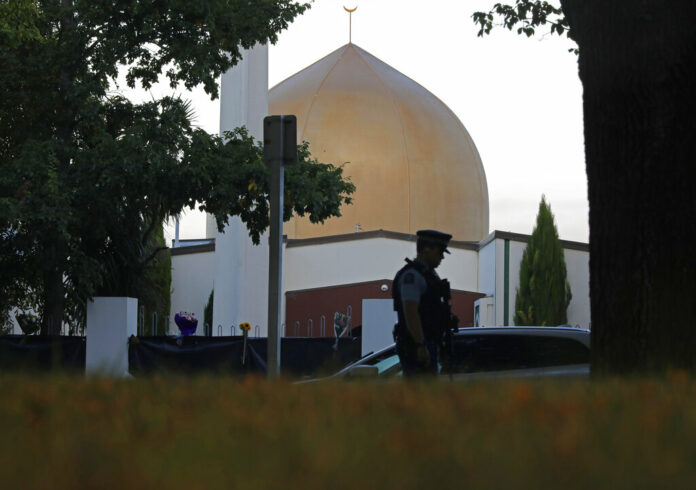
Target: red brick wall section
(312, 304)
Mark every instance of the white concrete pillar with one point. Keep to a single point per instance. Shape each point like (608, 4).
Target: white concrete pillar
(241, 268)
(110, 322)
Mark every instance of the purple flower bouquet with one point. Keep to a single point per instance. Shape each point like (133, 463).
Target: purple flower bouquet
(186, 322)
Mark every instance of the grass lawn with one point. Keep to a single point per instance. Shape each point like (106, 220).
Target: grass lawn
(214, 433)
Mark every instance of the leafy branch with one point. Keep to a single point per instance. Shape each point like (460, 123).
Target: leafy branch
(526, 16)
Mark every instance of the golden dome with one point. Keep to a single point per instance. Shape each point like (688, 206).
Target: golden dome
(412, 161)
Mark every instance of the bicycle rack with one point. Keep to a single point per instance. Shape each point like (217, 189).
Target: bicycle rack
(310, 327)
(219, 330)
(257, 331)
(322, 326)
(297, 325)
(154, 323)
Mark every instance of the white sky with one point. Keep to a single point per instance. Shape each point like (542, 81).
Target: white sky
(520, 99)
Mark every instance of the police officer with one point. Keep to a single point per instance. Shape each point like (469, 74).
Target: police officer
(418, 300)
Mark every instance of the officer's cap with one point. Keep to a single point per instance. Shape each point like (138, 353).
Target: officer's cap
(435, 237)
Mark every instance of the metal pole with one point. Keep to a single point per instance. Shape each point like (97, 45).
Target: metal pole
(280, 148)
(277, 172)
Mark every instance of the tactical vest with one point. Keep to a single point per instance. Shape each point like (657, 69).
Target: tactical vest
(432, 309)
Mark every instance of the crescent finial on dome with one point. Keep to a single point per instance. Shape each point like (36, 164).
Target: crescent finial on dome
(350, 22)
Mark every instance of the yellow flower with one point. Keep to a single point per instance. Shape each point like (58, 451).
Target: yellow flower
(245, 326)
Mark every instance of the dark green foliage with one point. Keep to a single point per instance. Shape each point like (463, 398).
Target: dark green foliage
(526, 16)
(153, 286)
(208, 314)
(87, 177)
(544, 293)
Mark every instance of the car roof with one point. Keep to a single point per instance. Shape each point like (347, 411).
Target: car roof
(515, 327)
(577, 333)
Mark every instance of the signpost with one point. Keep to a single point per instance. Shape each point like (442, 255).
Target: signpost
(279, 149)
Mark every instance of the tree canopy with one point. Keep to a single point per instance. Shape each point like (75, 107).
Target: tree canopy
(525, 15)
(87, 177)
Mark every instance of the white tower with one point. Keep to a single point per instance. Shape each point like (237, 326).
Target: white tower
(241, 268)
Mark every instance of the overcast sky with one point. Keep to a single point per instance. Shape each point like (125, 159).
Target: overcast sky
(519, 98)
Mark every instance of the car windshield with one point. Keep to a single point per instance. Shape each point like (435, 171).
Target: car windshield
(383, 360)
(388, 366)
(378, 358)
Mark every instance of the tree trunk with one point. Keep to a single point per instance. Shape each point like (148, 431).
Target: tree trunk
(638, 69)
(54, 302)
(56, 248)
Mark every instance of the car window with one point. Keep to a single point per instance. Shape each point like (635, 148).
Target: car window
(474, 353)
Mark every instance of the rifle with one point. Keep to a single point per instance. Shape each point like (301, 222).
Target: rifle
(450, 325)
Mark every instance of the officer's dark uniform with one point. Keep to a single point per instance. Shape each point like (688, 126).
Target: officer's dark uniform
(433, 311)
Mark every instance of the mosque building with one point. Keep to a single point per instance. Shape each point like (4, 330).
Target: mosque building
(414, 166)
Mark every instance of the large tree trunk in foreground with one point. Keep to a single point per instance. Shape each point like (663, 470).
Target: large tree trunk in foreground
(638, 69)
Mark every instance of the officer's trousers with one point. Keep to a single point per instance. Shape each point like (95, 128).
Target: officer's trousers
(407, 352)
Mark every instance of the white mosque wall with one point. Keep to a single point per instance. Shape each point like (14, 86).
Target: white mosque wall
(516, 251)
(309, 266)
(322, 265)
(461, 268)
(486, 269)
(348, 262)
(491, 274)
(500, 282)
(578, 267)
(192, 280)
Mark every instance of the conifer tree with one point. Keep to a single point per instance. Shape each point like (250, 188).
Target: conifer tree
(543, 294)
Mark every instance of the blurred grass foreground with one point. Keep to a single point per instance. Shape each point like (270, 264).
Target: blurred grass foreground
(231, 433)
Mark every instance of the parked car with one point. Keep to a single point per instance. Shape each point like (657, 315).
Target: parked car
(495, 352)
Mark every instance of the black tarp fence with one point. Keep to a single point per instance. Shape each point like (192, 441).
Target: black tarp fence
(42, 353)
(223, 355)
